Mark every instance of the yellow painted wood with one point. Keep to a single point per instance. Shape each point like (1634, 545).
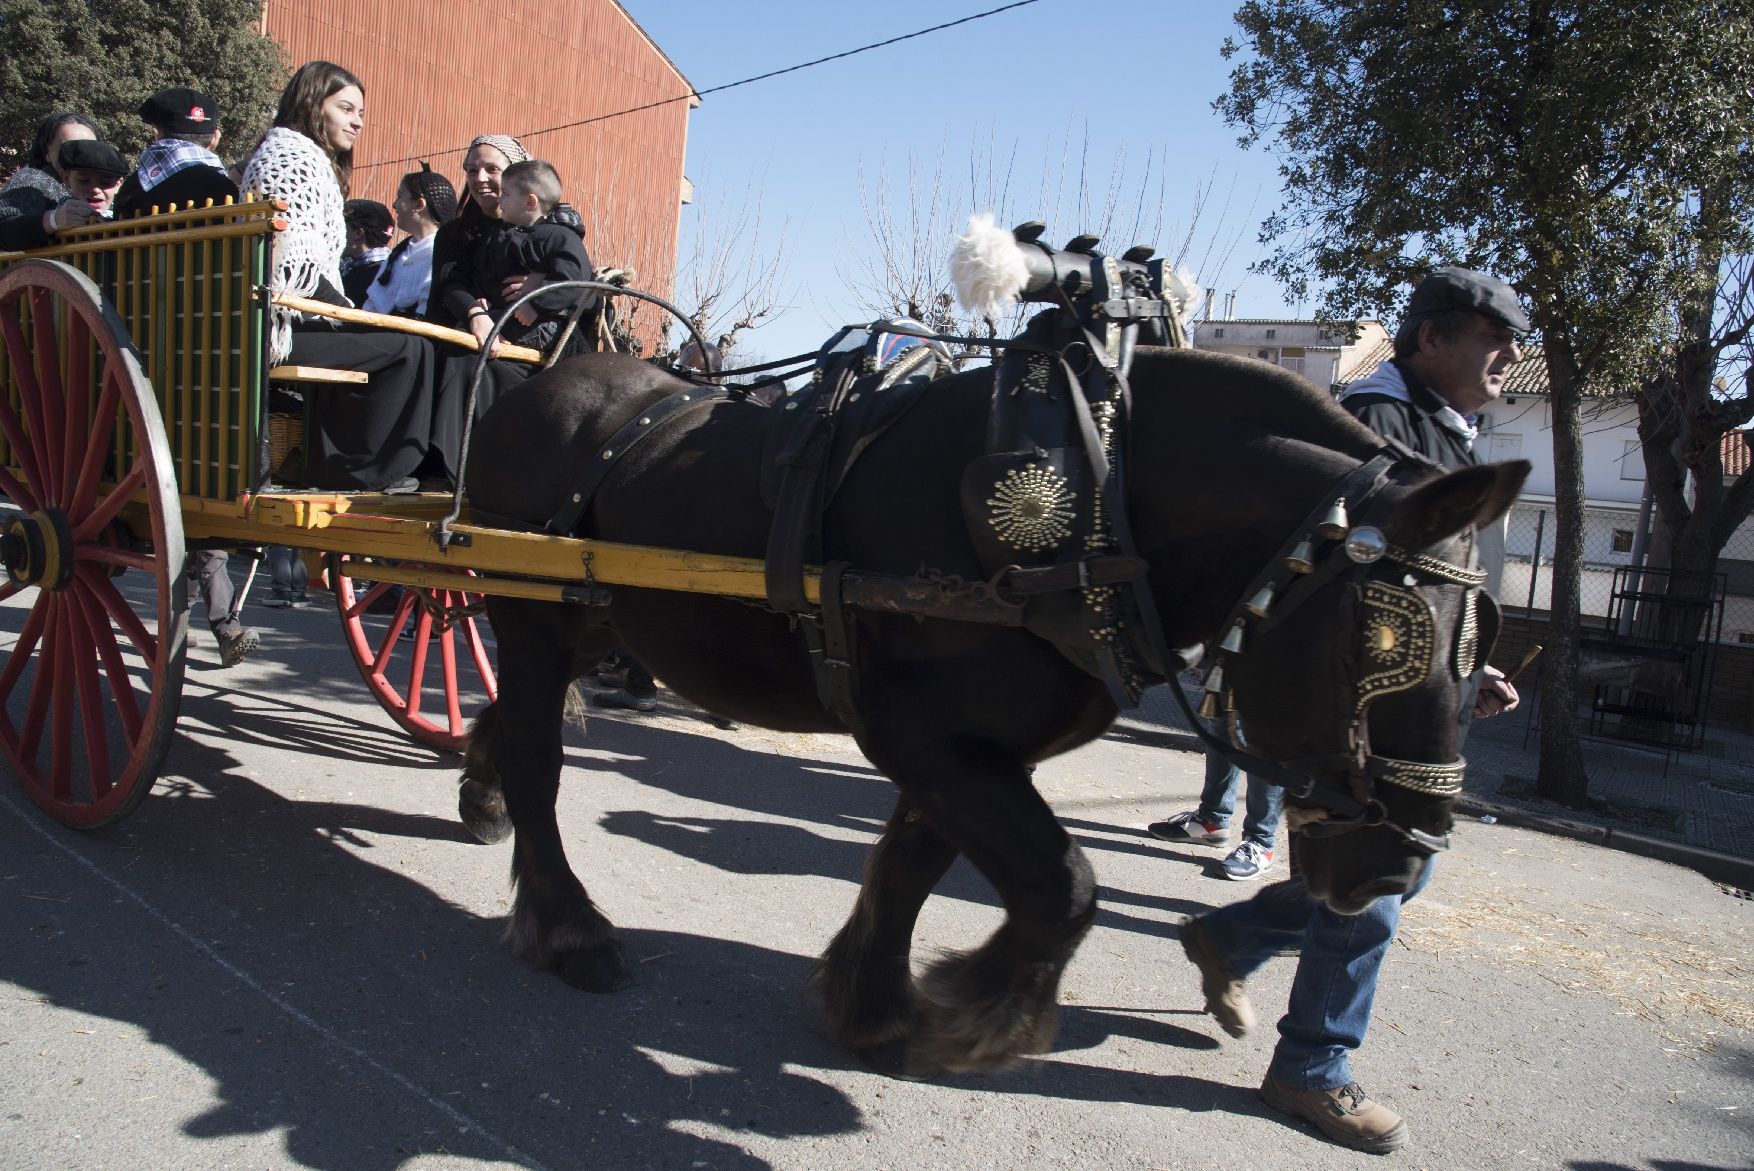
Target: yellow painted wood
(401, 528)
(438, 580)
(457, 337)
(315, 374)
(253, 227)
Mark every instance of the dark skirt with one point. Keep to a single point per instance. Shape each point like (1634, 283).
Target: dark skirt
(367, 437)
(456, 370)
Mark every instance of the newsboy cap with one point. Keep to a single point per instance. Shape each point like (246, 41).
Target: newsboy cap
(1463, 288)
(181, 110)
(90, 154)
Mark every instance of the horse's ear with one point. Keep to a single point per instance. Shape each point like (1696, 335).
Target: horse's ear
(1441, 508)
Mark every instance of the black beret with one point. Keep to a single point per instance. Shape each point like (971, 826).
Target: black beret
(181, 111)
(1463, 288)
(368, 214)
(90, 154)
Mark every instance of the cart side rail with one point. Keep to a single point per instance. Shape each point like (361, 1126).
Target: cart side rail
(187, 285)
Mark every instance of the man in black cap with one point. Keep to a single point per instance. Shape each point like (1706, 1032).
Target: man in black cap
(1452, 352)
(180, 166)
(368, 246)
(92, 170)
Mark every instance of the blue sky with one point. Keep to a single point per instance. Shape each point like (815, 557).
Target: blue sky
(1059, 107)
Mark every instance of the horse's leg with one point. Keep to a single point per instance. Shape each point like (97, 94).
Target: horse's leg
(864, 978)
(481, 797)
(553, 921)
(985, 1008)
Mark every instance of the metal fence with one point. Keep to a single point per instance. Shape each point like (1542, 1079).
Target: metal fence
(1609, 534)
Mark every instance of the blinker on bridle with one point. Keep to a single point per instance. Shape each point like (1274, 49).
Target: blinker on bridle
(1397, 629)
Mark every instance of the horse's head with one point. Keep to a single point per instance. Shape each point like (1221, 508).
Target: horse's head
(1360, 679)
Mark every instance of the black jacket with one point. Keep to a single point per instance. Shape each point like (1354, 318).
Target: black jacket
(191, 186)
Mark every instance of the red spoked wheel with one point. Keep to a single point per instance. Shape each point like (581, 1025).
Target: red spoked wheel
(422, 654)
(93, 675)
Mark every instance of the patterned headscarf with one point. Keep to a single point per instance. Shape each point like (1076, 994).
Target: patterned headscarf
(440, 196)
(505, 144)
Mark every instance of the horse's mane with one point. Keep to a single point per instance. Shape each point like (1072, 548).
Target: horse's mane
(1259, 394)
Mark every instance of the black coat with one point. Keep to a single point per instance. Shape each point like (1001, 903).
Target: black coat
(191, 186)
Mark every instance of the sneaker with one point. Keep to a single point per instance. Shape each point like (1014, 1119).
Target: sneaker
(1226, 998)
(235, 645)
(625, 701)
(1247, 861)
(278, 600)
(1343, 1113)
(1188, 829)
(301, 598)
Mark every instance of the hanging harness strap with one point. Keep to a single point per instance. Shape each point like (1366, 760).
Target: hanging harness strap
(636, 429)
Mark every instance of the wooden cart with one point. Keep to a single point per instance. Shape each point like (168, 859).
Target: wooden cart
(135, 426)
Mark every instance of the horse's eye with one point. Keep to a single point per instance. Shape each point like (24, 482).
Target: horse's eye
(1385, 637)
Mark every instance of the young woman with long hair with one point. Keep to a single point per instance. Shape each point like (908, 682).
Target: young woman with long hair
(376, 437)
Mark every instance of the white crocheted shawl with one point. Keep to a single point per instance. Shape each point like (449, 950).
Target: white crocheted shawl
(291, 167)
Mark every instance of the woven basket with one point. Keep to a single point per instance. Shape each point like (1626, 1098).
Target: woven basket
(286, 434)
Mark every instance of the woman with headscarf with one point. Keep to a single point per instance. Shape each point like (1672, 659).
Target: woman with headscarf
(459, 301)
(376, 437)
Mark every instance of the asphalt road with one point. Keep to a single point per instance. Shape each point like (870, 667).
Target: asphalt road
(288, 957)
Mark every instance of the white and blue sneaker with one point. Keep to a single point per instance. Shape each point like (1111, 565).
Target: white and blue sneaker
(1247, 861)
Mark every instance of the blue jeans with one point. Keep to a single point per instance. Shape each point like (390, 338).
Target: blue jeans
(1260, 823)
(1337, 968)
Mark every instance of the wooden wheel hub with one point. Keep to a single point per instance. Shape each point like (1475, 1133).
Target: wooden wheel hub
(38, 549)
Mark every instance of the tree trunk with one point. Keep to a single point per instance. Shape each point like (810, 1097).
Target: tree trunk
(1562, 777)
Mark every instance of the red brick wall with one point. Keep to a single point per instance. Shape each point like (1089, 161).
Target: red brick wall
(435, 77)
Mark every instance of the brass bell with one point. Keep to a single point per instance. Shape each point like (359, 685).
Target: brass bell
(1335, 525)
(1209, 709)
(1232, 643)
(1261, 602)
(1209, 705)
(1302, 558)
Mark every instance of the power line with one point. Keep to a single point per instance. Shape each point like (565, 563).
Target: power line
(721, 88)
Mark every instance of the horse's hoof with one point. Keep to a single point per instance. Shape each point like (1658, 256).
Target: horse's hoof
(598, 968)
(896, 1059)
(483, 812)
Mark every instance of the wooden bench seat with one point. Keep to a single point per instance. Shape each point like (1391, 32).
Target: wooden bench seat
(317, 374)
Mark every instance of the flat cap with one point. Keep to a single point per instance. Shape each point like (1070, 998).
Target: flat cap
(181, 110)
(90, 154)
(1463, 288)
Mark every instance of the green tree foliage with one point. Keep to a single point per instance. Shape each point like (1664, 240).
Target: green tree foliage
(101, 58)
(1595, 154)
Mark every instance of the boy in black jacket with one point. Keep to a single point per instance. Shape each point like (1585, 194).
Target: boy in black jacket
(528, 192)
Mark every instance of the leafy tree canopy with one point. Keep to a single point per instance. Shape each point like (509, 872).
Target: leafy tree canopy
(1595, 154)
(101, 58)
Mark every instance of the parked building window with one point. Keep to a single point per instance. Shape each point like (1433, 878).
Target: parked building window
(1272, 333)
(1622, 540)
(1505, 445)
(1632, 460)
(1218, 332)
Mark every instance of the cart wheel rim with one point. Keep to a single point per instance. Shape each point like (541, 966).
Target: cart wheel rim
(431, 682)
(89, 688)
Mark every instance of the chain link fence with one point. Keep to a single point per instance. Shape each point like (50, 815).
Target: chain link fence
(1609, 534)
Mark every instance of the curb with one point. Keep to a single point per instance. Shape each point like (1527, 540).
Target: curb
(1713, 864)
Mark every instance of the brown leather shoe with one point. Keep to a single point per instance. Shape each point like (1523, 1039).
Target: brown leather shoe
(1343, 1113)
(1226, 998)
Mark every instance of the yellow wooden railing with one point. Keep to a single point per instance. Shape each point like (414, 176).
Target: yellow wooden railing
(185, 285)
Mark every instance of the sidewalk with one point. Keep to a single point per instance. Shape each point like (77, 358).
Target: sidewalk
(1705, 802)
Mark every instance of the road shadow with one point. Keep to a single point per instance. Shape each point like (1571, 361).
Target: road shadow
(715, 1032)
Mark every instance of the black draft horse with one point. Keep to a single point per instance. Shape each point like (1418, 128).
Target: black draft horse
(1228, 456)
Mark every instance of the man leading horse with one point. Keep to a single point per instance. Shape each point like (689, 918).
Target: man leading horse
(1453, 350)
